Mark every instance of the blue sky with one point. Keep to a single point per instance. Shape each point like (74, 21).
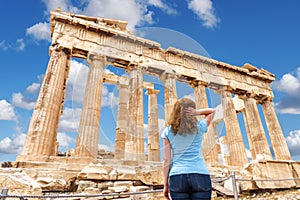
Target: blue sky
(262, 33)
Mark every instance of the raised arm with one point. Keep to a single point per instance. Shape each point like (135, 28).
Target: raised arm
(208, 113)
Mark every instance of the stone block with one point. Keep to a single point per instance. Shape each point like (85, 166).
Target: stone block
(113, 175)
(126, 173)
(119, 189)
(105, 185)
(123, 183)
(139, 188)
(94, 172)
(82, 185)
(92, 190)
(150, 175)
(271, 171)
(19, 183)
(51, 184)
(228, 185)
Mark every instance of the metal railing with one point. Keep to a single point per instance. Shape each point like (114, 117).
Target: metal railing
(4, 193)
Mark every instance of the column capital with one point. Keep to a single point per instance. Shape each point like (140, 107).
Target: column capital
(220, 88)
(58, 47)
(262, 99)
(94, 56)
(152, 91)
(195, 83)
(123, 81)
(133, 66)
(168, 75)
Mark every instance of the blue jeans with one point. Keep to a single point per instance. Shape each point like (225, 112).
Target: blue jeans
(190, 186)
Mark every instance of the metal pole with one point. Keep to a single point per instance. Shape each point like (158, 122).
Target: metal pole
(3, 193)
(234, 188)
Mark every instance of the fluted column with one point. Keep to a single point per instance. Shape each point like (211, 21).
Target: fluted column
(213, 149)
(88, 132)
(153, 135)
(248, 132)
(134, 145)
(122, 121)
(233, 136)
(279, 145)
(41, 137)
(200, 96)
(256, 131)
(170, 93)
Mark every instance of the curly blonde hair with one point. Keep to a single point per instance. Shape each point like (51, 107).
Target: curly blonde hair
(181, 122)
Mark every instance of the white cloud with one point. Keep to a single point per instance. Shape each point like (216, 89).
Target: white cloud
(6, 111)
(33, 88)
(135, 12)
(4, 46)
(288, 106)
(64, 141)
(77, 80)
(293, 142)
(205, 11)
(64, 5)
(40, 31)
(20, 44)
(108, 98)
(69, 121)
(77, 83)
(163, 6)
(19, 100)
(289, 84)
(14, 145)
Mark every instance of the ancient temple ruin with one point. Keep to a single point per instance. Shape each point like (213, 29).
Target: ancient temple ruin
(107, 42)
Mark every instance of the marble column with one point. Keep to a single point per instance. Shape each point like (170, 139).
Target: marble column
(170, 93)
(122, 121)
(256, 132)
(200, 96)
(233, 136)
(248, 132)
(153, 135)
(279, 145)
(88, 132)
(213, 149)
(41, 137)
(134, 145)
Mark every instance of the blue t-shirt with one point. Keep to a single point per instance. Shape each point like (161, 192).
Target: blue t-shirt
(187, 151)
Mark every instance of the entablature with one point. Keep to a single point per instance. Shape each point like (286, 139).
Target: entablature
(123, 49)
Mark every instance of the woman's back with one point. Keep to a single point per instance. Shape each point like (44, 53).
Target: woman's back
(187, 151)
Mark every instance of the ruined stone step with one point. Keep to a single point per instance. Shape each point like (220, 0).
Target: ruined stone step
(222, 191)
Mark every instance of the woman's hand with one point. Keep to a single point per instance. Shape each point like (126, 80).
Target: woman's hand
(167, 192)
(191, 111)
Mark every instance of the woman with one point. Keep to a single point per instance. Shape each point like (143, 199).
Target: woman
(185, 172)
